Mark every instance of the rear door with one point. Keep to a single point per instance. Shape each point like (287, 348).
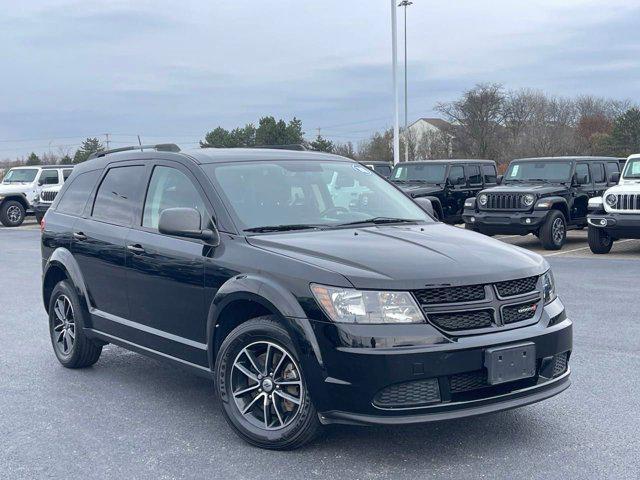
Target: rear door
(165, 274)
(599, 175)
(98, 243)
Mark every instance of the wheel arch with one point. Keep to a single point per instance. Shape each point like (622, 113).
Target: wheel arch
(62, 266)
(437, 206)
(20, 198)
(558, 203)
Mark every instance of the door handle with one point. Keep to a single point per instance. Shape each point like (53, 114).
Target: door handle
(79, 236)
(136, 249)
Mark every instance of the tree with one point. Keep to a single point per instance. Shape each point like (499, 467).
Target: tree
(321, 144)
(345, 149)
(33, 159)
(65, 160)
(89, 146)
(378, 147)
(272, 132)
(625, 136)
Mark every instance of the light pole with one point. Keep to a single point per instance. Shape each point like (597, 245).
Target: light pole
(405, 4)
(394, 56)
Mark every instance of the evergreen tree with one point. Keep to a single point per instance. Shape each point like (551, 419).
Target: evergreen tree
(321, 144)
(89, 146)
(33, 159)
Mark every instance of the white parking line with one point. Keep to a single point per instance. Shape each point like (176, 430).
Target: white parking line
(583, 248)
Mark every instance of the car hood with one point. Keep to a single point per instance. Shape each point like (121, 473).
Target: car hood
(535, 188)
(419, 188)
(7, 189)
(407, 256)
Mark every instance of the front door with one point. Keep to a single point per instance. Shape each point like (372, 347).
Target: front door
(165, 274)
(457, 192)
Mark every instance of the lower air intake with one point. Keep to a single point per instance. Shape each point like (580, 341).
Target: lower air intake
(409, 394)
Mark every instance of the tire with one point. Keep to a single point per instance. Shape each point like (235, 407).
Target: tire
(71, 346)
(600, 242)
(12, 213)
(553, 233)
(39, 217)
(298, 424)
(468, 226)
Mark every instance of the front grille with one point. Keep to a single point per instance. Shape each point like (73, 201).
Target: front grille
(520, 286)
(519, 313)
(462, 320)
(627, 201)
(48, 196)
(505, 201)
(559, 364)
(433, 296)
(409, 394)
(463, 382)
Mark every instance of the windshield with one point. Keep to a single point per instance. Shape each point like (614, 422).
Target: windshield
(26, 175)
(420, 172)
(632, 170)
(308, 193)
(539, 171)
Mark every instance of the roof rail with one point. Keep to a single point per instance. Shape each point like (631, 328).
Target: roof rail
(160, 147)
(293, 146)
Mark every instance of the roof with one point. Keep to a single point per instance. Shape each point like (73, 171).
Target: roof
(436, 122)
(375, 162)
(452, 160)
(567, 158)
(44, 167)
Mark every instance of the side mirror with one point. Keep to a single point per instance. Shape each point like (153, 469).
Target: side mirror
(426, 205)
(499, 179)
(185, 222)
(615, 177)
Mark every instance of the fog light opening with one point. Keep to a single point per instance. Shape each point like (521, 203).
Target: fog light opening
(603, 222)
(473, 219)
(527, 220)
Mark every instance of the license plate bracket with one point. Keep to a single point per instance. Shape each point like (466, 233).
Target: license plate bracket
(510, 363)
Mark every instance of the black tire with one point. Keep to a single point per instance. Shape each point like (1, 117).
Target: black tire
(553, 234)
(303, 423)
(469, 226)
(74, 351)
(600, 242)
(12, 213)
(39, 217)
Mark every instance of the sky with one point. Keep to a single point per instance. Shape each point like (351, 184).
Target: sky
(171, 71)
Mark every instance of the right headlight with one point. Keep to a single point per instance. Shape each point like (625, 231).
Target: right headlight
(611, 199)
(528, 199)
(482, 199)
(347, 305)
(549, 287)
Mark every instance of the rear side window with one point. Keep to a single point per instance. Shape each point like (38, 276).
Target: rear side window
(456, 175)
(473, 174)
(598, 172)
(118, 195)
(490, 174)
(48, 177)
(74, 198)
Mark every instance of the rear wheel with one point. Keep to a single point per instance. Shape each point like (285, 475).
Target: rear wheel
(553, 233)
(71, 346)
(600, 242)
(262, 387)
(12, 213)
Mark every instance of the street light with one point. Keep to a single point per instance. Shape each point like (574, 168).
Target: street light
(405, 4)
(394, 60)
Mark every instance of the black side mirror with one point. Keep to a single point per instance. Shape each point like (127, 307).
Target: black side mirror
(615, 177)
(426, 205)
(499, 179)
(185, 222)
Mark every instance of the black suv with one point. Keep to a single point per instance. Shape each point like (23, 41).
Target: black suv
(305, 304)
(381, 168)
(447, 183)
(543, 196)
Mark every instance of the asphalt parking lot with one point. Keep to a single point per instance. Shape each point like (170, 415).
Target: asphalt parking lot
(132, 417)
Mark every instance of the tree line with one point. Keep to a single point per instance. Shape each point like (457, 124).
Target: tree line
(486, 121)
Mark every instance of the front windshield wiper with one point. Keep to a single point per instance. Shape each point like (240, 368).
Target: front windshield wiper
(282, 228)
(378, 221)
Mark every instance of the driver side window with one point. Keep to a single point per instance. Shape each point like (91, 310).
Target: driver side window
(456, 176)
(582, 174)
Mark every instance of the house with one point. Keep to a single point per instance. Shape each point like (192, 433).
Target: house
(433, 136)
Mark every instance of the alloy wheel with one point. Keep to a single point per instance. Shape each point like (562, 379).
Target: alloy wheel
(64, 325)
(558, 230)
(267, 385)
(14, 214)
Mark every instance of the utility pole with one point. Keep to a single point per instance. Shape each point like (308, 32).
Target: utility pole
(319, 129)
(405, 4)
(394, 57)
(107, 140)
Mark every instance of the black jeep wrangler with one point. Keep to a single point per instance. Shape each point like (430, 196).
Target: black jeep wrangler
(543, 196)
(447, 183)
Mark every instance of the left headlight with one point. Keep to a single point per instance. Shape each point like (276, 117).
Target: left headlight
(346, 305)
(528, 199)
(549, 287)
(483, 199)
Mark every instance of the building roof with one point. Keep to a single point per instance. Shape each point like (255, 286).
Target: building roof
(439, 123)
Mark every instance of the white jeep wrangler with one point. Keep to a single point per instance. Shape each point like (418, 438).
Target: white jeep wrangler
(616, 214)
(21, 186)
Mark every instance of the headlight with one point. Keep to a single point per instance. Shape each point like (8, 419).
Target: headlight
(482, 199)
(611, 199)
(346, 305)
(528, 199)
(548, 287)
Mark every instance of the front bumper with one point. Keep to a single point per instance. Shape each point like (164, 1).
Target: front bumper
(505, 221)
(359, 362)
(617, 225)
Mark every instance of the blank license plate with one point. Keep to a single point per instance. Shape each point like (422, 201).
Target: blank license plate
(507, 364)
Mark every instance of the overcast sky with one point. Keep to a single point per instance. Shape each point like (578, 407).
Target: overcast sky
(172, 70)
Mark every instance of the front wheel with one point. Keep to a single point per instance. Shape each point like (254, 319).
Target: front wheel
(553, 233)
(600, 242)
(12, 213)
(262, 387)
